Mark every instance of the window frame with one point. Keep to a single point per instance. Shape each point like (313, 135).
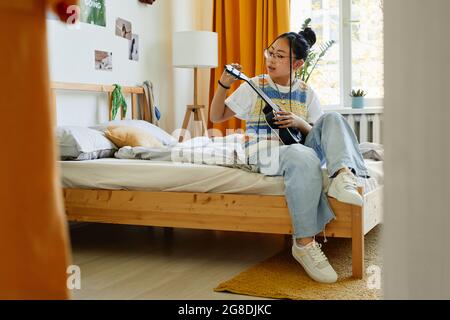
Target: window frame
(345, 60)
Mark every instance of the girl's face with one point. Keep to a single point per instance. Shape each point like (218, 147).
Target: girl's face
(277, 61)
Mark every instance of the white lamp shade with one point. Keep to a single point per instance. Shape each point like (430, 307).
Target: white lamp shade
(195, 49)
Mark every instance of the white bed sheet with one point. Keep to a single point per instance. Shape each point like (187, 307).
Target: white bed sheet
(119, 174)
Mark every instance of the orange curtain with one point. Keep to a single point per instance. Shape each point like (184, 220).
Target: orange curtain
(245, 29)
(33, 232)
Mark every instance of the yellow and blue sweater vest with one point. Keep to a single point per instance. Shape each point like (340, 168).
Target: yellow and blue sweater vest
(256, 126)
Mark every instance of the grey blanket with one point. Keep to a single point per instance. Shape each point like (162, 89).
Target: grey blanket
(226, 153)
(201, 150)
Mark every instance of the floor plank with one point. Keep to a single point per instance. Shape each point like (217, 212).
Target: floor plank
(131, 262)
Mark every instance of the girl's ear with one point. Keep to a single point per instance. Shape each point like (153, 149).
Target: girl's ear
(298, 64)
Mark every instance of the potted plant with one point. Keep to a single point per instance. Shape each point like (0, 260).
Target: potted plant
(358, 98)
(314, 56)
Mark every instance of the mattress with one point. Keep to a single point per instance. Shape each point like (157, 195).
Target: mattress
(142, 175)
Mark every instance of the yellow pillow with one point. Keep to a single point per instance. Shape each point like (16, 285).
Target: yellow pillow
(123, 136)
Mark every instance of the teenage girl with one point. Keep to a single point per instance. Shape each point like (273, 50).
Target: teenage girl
(327, 139)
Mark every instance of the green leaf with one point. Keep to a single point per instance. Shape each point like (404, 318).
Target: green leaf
(118, 101)
(357, 93)
(306, 24)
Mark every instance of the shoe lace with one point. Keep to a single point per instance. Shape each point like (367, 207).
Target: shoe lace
(316, 253)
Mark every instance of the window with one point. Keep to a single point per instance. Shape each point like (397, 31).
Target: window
(356, 59)
(367, 47)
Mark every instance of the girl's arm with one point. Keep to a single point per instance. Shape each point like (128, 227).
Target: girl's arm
(219, 111)
(303, 126)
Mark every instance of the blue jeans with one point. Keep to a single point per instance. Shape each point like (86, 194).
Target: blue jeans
(331, 142)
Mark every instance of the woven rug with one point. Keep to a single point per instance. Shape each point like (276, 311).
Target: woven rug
(282, 277)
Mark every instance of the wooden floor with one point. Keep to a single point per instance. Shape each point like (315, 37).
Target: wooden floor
(129, 262)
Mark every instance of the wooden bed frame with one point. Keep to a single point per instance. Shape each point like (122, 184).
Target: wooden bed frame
(226, 212)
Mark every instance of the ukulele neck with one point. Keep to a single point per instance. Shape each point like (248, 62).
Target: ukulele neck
(263, 96)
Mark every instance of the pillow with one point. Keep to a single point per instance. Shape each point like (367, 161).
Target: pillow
(124, 136)
(82, 143)
(158, 133)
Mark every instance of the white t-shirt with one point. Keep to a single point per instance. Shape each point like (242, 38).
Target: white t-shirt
(244, 99)
(248, 106)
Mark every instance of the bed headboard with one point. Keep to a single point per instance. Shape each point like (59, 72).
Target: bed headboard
(136, 93)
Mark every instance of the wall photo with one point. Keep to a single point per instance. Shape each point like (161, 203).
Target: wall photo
(93, 12)
(133, 48)
(123, 28)
(103, 60)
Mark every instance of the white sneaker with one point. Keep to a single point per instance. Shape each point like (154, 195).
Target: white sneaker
(344, 189)
(314, 261)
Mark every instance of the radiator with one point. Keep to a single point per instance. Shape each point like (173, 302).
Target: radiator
(367, 123)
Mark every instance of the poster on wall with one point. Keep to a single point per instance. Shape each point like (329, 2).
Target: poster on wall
(133, 49)
(93, 12)
(123, 28)
(89, 11)
(103, 60)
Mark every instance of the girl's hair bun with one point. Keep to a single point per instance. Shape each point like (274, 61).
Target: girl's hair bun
(309, 36)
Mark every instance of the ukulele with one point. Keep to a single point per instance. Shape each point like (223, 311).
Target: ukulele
(286, 135)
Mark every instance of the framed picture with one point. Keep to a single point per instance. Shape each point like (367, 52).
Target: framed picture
(93, 12)
(103, 60)
(133, 48)
(123, 28)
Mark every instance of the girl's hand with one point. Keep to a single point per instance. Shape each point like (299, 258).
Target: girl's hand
(286, 119)
(227, 79)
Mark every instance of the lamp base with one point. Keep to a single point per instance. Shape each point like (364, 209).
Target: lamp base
(199, 117)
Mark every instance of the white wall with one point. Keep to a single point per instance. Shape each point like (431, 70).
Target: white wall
(71, 57)
(417, 135)
(183, 20)
(190, 15)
